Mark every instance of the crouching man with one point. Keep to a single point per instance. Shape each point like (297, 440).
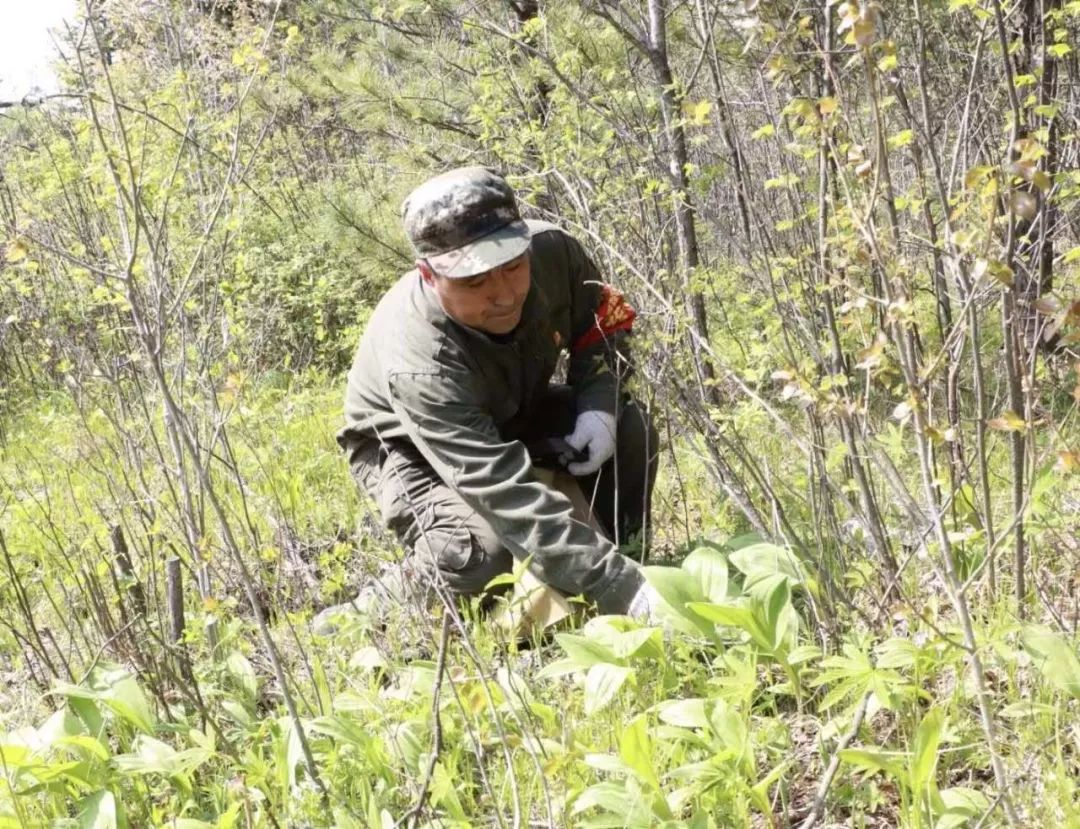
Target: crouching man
(449, 405)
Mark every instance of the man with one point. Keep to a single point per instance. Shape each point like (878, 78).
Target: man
(448, 404)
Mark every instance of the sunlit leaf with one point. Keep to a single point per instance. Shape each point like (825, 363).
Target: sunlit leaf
(710, 567)
(602, 683)
(100, 811)
(584, 651)
(677, 588)
(873, 760)
(758, 561)
(686, 713)
(1054, 657)
(635, 748)
(924, 756)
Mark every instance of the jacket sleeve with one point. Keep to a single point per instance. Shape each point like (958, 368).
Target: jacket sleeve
(444, 419)
(601, 322)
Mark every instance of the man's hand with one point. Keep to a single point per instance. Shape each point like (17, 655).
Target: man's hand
(596, 432)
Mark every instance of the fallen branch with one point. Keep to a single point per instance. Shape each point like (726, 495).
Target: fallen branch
(818, 807)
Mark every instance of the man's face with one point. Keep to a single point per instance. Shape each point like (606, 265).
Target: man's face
(491, 301)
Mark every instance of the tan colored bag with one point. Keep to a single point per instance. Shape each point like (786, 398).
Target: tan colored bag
(533, 606)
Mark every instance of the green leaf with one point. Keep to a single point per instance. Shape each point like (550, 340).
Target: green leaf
(678, 588)
(635, 749)
(778, 601)
(1054, 657)
(294, 750)
(738, 617)
(118, 690)
(86, 744)
(710, 567)
(100, 811)
(584, 651)
(758, 561)
(961, 805)
(643, 643)
(602, 683)
(240, 669)
(924, 756)
(89, 713)
(607, 796)
(872, 760)
(729, 727)
(685, 713)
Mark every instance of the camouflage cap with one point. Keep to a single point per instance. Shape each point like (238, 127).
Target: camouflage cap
(465, 222)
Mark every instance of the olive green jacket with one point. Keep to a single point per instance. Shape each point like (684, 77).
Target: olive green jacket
(460, 395)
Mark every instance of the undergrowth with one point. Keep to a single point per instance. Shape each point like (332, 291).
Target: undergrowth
(756, 691)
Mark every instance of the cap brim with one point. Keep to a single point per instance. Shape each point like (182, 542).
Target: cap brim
(491, 251)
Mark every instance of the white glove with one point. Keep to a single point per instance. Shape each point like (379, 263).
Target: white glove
(642, 607)
(595, 430)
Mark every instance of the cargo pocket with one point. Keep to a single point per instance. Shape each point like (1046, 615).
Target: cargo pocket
(446, 543)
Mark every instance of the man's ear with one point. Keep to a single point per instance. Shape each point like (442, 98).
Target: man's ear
(426, 273)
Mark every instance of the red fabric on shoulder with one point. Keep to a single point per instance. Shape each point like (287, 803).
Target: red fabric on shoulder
(613, 314)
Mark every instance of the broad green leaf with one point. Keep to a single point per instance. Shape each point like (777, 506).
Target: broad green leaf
(687, 713)
(560, 667)
(294, 750)
(607, 796)
(608, 763)
(149, 756)
(124, 696)
(761, 560)
(89, 713)
(583, 650)
(743, 618)
(875, 760)
(729, 727)
(230, 819)
(643, 643)
(242, 672)
(343, 729)
(677, 589)
(602, 683)
(1026, 708)
(775, 605)
(1054, 657)
(91, 745)
(14, 756)
(744, 540)
(62, 723)
(635, 749)
(100, 811)
(924, 756)
(710, 567)
(152, 756)
(960, 806)
(118, 690)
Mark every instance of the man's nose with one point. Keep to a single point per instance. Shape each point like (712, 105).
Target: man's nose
(502, 291)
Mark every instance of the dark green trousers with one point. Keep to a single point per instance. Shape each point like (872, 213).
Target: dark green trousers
(439, 530)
